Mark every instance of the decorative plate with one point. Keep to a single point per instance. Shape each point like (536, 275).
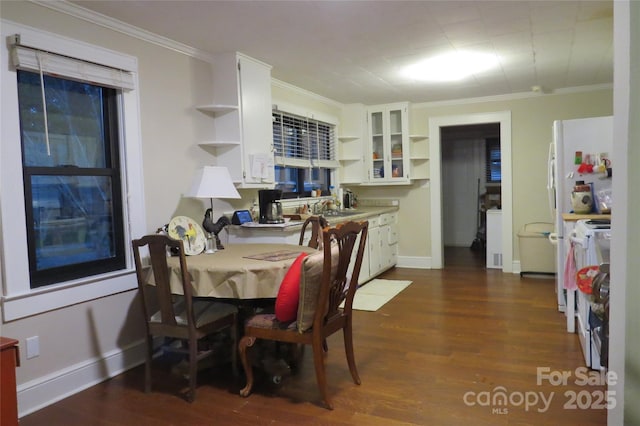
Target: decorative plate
(186, 229)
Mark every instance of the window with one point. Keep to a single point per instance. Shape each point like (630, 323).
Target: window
(59, 197)
(493, 161)
(304, 154)
(72, 178)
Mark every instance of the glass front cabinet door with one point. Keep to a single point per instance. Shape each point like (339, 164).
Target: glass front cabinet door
(389, 144)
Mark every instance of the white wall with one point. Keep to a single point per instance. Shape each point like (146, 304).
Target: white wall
(624, 357)
(84, 343)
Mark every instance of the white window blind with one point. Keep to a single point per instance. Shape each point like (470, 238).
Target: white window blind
(303, 142)
(75, 69)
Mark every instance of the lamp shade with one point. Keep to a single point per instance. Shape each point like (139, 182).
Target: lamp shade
(213, 182)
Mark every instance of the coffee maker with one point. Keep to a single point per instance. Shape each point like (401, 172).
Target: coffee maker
(270, 207)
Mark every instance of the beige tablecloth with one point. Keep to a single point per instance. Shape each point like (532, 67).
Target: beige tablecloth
(229, 273)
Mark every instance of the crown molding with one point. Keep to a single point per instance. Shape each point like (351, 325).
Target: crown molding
(320, 98)
(79, 12)
(513, 96)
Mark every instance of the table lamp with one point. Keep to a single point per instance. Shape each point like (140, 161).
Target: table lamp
(213, 182)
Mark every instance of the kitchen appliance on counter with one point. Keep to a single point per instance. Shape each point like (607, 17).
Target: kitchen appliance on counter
(577, 147)
(349, 199)
(270, 206)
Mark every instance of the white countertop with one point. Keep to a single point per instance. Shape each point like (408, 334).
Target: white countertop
(294, 226)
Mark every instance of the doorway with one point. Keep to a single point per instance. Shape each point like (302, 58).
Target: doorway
(436, 126)
(471, 178)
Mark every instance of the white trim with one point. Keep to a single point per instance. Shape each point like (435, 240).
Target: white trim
(504, 118)
(515, 268)
(123, 28)
(56, 386)
(418, 262)
(511, 96)
(42, 40)
(305, 93)
(47, 299)
(19, 299)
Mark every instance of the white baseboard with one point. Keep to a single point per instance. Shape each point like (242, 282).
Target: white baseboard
(46, 390)
(414, 262)
(515, 266)
(425, 263)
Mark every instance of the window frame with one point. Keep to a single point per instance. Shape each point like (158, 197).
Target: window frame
(306, 157)
(18, 299)
(112, 169)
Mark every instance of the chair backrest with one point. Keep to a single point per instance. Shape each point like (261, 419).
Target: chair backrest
(317, 223)
(337, 286)
(155, 290)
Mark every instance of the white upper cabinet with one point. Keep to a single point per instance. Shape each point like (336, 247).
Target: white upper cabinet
(241, 110)
(388, 148)
(352, 136)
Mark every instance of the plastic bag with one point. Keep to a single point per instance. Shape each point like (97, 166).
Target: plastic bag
(604, 201)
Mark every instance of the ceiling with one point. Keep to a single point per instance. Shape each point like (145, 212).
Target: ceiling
(353, 51)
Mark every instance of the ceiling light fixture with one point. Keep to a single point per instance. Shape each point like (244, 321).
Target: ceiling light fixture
(451, 66)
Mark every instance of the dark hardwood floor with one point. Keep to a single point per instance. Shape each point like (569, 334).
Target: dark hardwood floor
(442, 352)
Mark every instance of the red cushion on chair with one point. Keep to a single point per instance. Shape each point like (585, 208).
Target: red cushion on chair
(289, 292)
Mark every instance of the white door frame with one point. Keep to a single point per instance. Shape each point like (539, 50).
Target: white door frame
(435, 155)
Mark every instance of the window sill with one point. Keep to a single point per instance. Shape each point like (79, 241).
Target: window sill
(56, 297)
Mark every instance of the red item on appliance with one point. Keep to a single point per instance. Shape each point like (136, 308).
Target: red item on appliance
(585, 276)
(585, 168)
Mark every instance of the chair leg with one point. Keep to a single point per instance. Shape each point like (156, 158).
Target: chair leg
(147, 364)
(321, 376)
(243, 347)
(348, 347)
(193, 368)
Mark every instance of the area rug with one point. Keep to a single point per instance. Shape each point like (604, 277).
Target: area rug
(374, 294)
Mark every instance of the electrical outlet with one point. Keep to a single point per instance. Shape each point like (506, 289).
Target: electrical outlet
(33, 347)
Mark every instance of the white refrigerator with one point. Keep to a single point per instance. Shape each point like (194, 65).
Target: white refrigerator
(588, 139)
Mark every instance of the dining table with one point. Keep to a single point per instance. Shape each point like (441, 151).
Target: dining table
(240, 271)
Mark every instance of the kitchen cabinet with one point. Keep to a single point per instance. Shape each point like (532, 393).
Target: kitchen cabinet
(381, 250)
(388, 148)
(243, 135)
(382, 246)
(353, 130)
(374, 248)
(388, 240)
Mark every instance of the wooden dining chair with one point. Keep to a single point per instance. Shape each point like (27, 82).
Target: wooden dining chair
(317, 223)
(324, 285)
(176, 317)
